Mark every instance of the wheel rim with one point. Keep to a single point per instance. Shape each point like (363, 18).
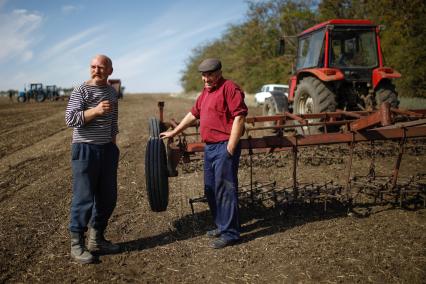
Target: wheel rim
(271, 111)
(268, 110)
(306, 104)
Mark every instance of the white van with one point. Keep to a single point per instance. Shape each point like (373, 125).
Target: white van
(264, 92)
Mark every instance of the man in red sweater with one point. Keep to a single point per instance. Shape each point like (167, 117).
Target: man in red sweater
(221, 111)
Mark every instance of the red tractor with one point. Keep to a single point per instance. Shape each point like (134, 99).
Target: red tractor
(340, 65)
(116, 84)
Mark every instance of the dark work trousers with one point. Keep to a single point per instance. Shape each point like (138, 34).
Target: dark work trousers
(94, 186)
(221, 188)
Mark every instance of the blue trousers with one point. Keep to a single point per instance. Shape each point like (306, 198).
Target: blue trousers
(221, 188)
(94, 185)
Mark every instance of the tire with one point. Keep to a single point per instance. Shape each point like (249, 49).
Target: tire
(40, 97)
(157, 182)
(21, 99)
(313, 96)
(154, 127)
(276, 103)
(386, 93)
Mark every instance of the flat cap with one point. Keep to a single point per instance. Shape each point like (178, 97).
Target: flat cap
(210, 65)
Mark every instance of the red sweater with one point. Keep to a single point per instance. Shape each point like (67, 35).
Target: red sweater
(217, 108)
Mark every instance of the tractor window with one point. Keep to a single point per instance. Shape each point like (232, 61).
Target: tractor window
(353, 49)
(309, 50)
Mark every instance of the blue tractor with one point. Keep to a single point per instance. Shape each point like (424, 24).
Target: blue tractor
(35, 92)
(52, 93)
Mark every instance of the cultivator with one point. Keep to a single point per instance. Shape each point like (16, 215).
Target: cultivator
(278, 140)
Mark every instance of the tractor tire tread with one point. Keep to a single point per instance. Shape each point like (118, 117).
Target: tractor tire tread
(156, 174)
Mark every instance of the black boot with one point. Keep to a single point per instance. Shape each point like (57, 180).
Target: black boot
(98, 243)
(79, 251)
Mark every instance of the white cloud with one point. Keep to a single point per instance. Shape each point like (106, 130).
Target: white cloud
(17, 30)
(76, 42)
(153, 59)
(131, 64)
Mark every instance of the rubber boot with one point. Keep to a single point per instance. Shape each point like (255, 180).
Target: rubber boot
(79, 251)
(98, 243)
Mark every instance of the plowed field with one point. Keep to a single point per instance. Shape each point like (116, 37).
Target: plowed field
(295, 244)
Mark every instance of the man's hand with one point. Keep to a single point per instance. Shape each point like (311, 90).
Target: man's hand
(186, 121)
(103, 107)
(236, 132)
(167, 134)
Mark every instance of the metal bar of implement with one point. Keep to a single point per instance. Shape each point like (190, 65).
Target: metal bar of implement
(322, 139)
(349, 168)
(302, 117)
(398, 161)
(339, 122)
(350, 113)
(405, 124)
(295, 189)
(383, 117)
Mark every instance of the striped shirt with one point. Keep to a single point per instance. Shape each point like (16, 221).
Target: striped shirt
(102, 128)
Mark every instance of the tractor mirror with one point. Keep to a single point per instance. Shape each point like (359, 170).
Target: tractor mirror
(281, 47)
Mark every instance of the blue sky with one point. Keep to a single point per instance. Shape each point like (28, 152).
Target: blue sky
(149, 41)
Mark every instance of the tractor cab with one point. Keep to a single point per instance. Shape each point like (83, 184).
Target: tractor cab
(36, 87)
(353, 48)
(335, 46)
(37, 92)
(52, 92)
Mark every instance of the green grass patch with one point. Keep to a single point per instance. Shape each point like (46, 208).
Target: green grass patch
(412, 103)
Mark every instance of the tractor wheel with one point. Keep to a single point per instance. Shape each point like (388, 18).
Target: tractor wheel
(386, 93)
(21, 99)
(313, 96)
(154, 127)
(276, 103)
(40, 97)
(157, 183)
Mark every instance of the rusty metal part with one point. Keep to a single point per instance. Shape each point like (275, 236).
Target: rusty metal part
(358, 129)
(364, 192)
(381, 189)
(377, 128)
(161, 111)
(323, 139)
(315, 155)
(383, 117)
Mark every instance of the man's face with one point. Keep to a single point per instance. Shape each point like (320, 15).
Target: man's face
(211, 78)
(100, 69)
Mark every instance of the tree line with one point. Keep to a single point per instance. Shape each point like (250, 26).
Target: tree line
(248, 50)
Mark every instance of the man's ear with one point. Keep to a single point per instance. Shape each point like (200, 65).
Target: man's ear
(110, 72)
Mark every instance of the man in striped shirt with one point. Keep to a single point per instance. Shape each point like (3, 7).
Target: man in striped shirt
(93, 113)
